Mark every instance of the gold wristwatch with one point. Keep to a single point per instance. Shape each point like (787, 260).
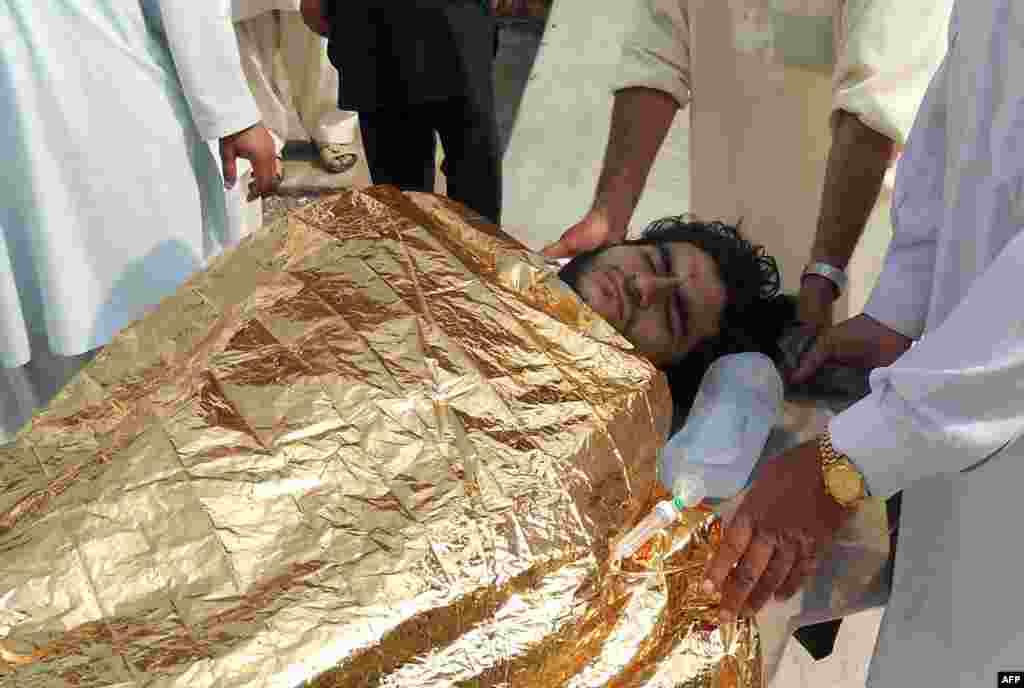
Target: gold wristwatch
(843, 481)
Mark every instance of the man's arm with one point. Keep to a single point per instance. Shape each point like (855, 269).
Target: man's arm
(857, 163)
(641, 118)
(202, 42)
(652, 83)
(952, 400)
(881, 77)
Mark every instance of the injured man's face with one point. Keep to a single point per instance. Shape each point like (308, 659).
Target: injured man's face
(665, 297)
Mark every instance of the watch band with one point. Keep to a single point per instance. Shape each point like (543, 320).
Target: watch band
(829, 272)
(843, 480)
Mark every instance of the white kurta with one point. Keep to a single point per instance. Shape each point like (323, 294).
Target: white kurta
(111, 196)
(764, 77)
(291, 77)
(944, 422)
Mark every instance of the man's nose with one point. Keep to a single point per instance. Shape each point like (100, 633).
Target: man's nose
(652, 289)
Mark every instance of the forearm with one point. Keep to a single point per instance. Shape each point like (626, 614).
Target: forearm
(641, 118)
(202, 42)
(952, 400)
(856, 168)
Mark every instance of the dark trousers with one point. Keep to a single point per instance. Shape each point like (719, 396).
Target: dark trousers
(400, 146)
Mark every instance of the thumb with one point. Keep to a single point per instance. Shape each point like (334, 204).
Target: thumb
(263, 171)
(560, 249)
(812, 360)
(569, 244)
(228, 157)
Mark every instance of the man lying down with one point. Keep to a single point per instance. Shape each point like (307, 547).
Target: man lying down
(369, 441)
(686, 293)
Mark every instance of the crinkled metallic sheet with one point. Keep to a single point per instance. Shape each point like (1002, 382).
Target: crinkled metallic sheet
(378, 444)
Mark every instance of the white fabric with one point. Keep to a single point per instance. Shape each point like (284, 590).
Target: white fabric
(944, 422)
(288, 72)
(764, 77)
(27, 388)
(111, 196)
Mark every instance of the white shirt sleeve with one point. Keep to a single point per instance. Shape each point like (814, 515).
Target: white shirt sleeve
(887, 51)
(954, 399)
(656, 52)
(205, 50)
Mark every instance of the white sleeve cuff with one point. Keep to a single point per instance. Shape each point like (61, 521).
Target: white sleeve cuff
(228, 123)
(889, 50)
(877, 439)
(641, 68)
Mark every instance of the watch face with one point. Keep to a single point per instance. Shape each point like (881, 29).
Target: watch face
(844, 483)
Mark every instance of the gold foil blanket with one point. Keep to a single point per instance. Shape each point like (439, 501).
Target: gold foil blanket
(377, 444)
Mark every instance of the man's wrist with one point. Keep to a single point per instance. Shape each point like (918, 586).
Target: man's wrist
(819, 286)
(844, 481)
(819, 274)
(615, 213)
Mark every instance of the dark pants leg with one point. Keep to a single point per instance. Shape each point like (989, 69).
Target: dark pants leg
(399, 147)
(472, 156)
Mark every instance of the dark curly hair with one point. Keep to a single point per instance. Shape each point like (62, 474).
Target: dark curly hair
(755, 313)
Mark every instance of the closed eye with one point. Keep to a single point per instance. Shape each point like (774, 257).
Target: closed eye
(675, 306)
(665, 257)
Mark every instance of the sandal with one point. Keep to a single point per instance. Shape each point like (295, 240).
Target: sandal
(334, 158)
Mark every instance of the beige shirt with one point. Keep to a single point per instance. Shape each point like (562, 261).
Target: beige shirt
(764, 77)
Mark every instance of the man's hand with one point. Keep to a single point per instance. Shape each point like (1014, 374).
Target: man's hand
(257, 146)
(860, 342)
(814, 308)
(313, 16)
(593, 231)
(778, 532)
(509, 7)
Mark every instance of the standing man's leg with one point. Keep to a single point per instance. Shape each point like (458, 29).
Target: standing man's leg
(472, 155)
(399, 147)
(259, 39)
(314, 82)
(468, 124)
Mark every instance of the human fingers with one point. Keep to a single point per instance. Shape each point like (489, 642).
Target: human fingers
(746, 576)
(574, 240)
(263, 172)
(736, 538)
(775, 574)
(563, 248)
(229, 164)
(800, 572)
(593, 231)
(813, 360)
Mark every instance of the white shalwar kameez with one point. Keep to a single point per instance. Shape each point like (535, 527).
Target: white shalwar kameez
(944, 423)
(289, 74)
(762, 79)
(111, 195)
